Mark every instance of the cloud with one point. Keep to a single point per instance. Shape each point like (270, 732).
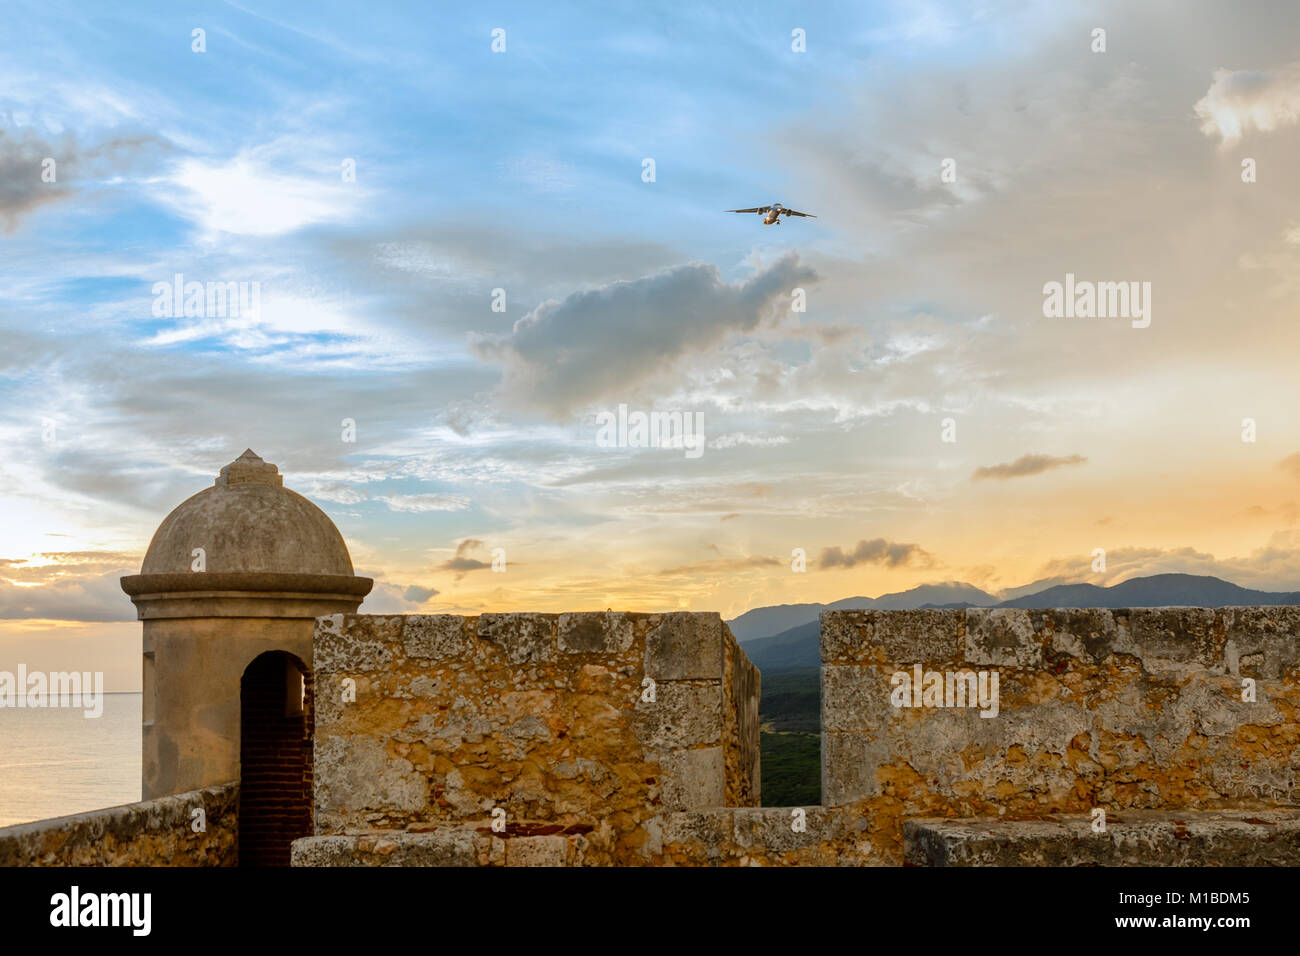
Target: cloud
(97, 598)
(737, 439)
(462, 563)
(890, 554)
(23, 157)
(21, 188)
(389, 598)
(1291, 465)
(1241, 99)
(1025, 465)
(343, 493)
(418, 594)
(418, 504)
(568, 353)
(259, 192)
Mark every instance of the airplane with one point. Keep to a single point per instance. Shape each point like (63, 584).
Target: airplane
(772, 214)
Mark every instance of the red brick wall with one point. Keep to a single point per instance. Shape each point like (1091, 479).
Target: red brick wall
(275, 763)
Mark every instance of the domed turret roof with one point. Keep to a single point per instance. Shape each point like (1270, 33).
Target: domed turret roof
(248, 522)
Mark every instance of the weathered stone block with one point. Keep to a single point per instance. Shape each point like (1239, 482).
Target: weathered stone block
(685, 645)
(595, 632)
(891, 637)
(849, 764)
(708, 828)
(1086, 633)
(437, 637)
(354, 643)
(682, 715)
(693, 779)
(356, 772)
(847, 637)
(1184, 635)
(1001, 637)
(536, 851)
(523, 638)
(856, 698)
(442, 847)
(741, 725)
(773, 829)
(1260, 642)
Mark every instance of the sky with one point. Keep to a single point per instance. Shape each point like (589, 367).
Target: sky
(475, 234)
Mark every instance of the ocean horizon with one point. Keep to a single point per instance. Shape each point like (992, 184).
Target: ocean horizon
(56, 761)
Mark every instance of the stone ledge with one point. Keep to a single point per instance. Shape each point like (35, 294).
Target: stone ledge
(767, 836)
(523, 844)
(1249, 641)
(149, 833)
(1132, 838)
(448, 846)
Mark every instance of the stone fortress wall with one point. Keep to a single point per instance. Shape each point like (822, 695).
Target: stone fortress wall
(573, 726)
(1139, 713)
(532, 739)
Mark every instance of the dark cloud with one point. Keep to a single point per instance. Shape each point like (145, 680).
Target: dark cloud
(418, 594)
(22, 163)
(462, 563)
(1025, 465)
(890, 554)
(594, 343)
(97, 598)
(21, 186)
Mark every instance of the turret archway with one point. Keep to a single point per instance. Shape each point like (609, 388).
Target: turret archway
(275, 758)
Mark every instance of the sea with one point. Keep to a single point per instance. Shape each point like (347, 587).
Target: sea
(55, 761)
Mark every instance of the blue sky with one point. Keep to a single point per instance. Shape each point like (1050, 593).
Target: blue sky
(522, 171)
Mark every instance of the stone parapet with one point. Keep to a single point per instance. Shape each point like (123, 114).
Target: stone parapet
(157, 832)
(1149, 708)
(1133, 838)
(581, 720)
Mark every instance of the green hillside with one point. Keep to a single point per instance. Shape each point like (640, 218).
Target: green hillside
(790, 712)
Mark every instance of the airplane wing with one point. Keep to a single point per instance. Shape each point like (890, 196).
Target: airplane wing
(755, 209)
(791, 212)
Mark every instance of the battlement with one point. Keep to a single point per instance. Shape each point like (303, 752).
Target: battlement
(982, 714)
(1162, 736)
(586, 720)
(1148, 708)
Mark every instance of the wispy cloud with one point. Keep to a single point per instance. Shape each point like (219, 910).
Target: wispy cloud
(1026, 465)
(889, 554)
(419, 504)
(462, 563)
(263, 191)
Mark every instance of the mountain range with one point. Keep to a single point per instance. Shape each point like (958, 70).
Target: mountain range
(785, 637)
